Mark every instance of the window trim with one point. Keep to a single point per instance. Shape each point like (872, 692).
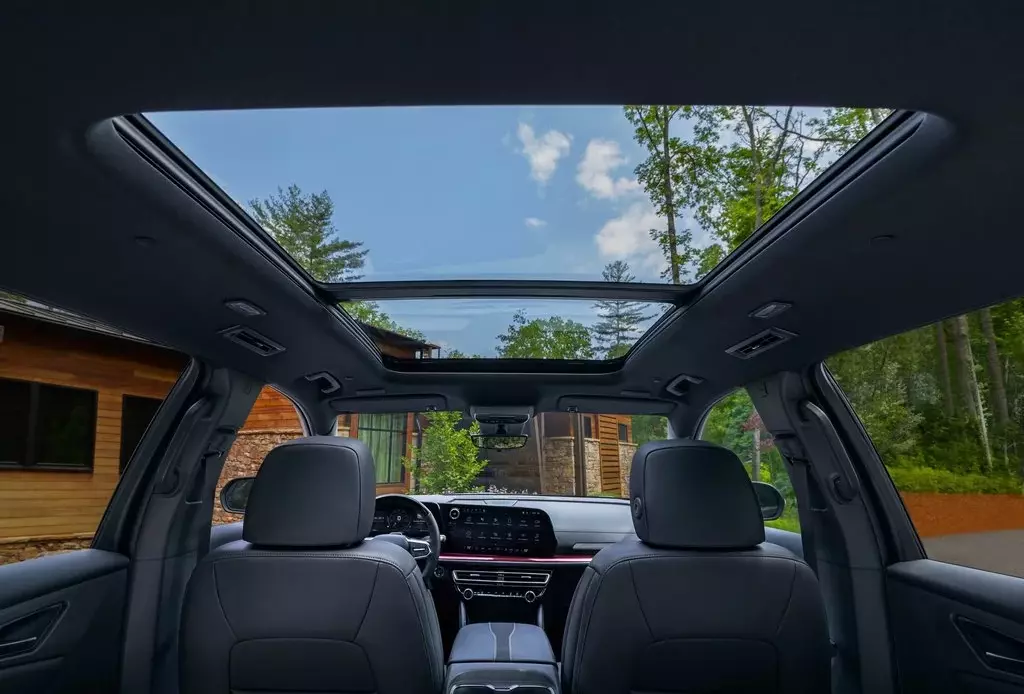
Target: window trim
(30, 464)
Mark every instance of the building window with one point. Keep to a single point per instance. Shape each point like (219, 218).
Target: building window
(46, 426)
(623, 432)
(588, 428)
(386, 435)
(136, 414)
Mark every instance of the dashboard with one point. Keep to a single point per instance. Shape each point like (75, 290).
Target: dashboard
(514, 531)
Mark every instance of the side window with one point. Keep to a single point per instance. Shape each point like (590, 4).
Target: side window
(734, 423)
(75, 398)
(272, 420)
(944, 407)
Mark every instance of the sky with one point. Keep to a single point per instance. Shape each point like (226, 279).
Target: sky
(445, 193)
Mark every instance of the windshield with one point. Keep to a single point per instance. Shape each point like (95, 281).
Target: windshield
(564, 455)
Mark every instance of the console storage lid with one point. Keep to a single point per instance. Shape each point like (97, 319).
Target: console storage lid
(501, 642)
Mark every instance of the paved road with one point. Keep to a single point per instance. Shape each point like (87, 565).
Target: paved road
(1001, 551)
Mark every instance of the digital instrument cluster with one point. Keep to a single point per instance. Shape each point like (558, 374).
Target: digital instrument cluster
(513, 531)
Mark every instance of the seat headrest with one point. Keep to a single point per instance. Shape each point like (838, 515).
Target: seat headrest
(690, 494)
(317, 491)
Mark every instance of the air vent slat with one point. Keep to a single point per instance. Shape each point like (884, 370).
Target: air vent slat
(760, 343)
(252, 340)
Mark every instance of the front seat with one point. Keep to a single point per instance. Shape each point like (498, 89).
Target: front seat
(697, 603)
(301, 603)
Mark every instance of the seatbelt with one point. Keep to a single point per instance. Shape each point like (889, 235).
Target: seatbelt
(799, 474)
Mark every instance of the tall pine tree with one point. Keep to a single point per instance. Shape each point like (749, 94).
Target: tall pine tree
(621, 321)
(302, 225)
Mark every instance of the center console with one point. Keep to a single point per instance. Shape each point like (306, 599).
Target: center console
(499, 656)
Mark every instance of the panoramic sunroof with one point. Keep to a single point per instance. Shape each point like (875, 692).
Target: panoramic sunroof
(643, 193)
(506, 328)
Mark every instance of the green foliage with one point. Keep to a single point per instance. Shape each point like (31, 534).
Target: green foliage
(621, 321)
(302, 225)
(925, 479)
(448, 459)
(369, 313)
(649, 427)
(545, 338)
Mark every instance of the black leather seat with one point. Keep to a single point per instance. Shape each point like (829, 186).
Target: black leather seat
(698, 603)
(302, 603)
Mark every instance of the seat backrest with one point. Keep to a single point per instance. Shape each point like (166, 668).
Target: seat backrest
(698, 603)
(302, 603)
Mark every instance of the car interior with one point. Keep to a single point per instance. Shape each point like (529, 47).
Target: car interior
(327, 585)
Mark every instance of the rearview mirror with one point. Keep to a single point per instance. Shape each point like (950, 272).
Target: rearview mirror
(771, 500)
(499, 443)
(234, 496)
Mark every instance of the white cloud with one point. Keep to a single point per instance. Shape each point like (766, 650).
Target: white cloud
(542, 152)
(594, 171)
(534, 222)
(628, 237)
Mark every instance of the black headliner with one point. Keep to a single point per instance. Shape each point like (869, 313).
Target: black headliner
(78, 196)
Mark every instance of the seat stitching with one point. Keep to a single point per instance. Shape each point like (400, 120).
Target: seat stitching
(216, 591)
(636, 593)
(373, 588)
(490, 628)
(789, 603)
(510, 639)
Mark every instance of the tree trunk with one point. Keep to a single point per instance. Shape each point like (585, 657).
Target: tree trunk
(670, 206)
(755, 460)
(947, 384)
(997, 384)
(969, 390)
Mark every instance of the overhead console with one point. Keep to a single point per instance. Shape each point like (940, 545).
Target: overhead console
(498, 530)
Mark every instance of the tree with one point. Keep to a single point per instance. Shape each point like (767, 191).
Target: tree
(666, 177)
(970, 391)
(545, 338)
(765, 163)
(369, 313)
(621, 321)
(302, 225)
(448, 458)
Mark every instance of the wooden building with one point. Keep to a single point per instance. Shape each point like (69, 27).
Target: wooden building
(76, 397)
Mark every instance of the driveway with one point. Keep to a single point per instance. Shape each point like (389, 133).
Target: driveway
(1001, 551)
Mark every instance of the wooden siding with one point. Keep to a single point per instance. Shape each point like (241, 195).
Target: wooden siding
(608, 436)
(272, 411)
(41, 504)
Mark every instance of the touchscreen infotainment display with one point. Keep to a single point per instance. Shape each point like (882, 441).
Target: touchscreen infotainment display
(508, 531)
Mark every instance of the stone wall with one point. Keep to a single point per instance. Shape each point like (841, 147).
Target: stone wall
(626, 451)
(559, 474)
(592, 466)
(244, 459)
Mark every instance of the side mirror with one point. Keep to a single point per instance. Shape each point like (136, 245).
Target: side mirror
(771, 500)
(234, 496)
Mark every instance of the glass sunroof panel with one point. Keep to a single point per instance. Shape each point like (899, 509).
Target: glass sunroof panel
(517, 192)
(505, 328)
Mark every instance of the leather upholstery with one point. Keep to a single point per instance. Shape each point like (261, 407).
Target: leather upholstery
(310, 618)
(316, 491)
(663, 618)
(693, 495)
(501, 642)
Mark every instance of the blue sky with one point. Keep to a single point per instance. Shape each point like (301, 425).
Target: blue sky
(434, 193)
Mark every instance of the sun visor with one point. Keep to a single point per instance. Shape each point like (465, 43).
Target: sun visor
(584, 403)
(385, 403)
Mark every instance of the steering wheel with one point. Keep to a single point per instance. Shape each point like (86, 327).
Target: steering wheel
(425, 552)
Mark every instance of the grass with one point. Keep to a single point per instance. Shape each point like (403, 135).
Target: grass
(789, 521)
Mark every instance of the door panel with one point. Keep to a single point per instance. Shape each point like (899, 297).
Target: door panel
(60, 623)
(956, 628)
